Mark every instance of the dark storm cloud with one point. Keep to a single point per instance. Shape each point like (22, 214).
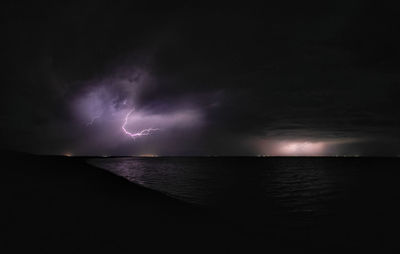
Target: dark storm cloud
(247, 75)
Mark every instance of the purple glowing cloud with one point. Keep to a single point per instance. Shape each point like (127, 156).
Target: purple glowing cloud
(103, 107)
(298, 148)
(310, 146)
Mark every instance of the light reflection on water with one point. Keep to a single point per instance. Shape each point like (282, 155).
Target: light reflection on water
(289, 185)
(312, 200)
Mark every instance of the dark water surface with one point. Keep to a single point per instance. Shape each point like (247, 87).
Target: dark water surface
(296, 185)
(353, 200)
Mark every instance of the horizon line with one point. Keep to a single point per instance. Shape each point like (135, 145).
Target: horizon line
(205, 156)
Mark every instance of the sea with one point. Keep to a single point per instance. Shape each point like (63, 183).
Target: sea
(322, 197)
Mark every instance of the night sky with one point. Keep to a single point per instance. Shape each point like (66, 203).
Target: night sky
(285, 78)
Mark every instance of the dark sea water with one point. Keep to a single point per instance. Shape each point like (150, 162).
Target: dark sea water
(321, 197)
(296, 185)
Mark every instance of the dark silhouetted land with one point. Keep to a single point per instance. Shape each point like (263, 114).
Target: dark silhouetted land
(53, 204)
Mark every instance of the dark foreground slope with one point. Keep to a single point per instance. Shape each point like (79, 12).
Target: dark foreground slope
(63, 205)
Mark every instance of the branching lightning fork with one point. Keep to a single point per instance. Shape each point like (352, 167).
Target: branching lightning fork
(145, 132)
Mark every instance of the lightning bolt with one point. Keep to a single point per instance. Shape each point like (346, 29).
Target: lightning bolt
(144, 132)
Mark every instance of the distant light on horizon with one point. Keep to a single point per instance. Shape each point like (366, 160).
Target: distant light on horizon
(309, 146)
(148, 155)
(300, 148)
